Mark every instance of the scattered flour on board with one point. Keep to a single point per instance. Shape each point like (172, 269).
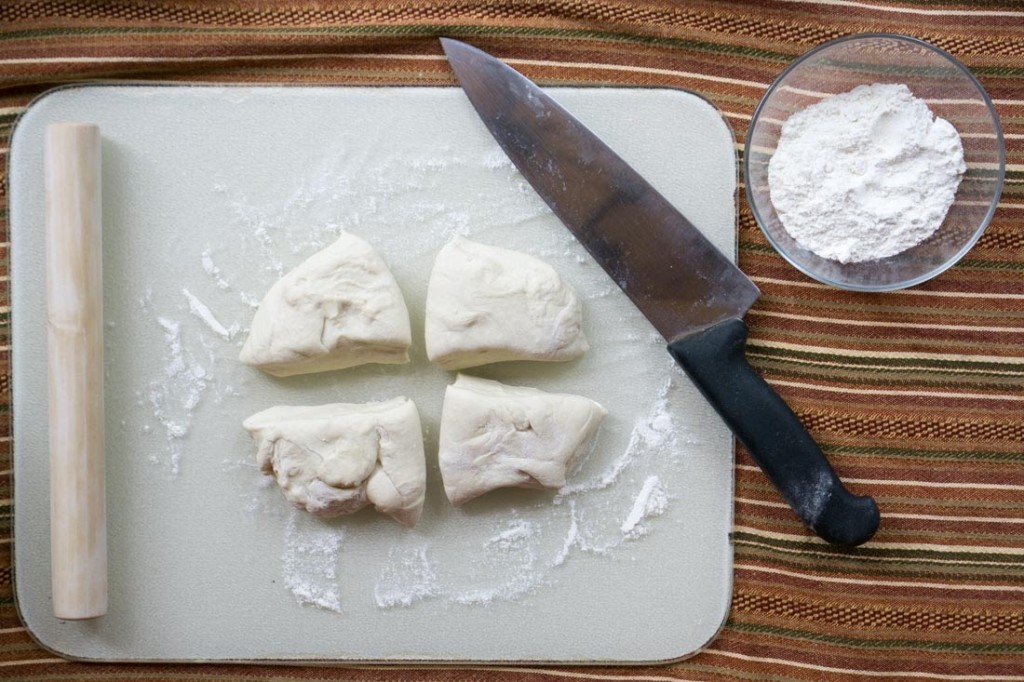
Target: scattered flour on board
(213, 271)
(407, 578)
(504, 567)
(510, 559)
(185, 373)
(514, 561)
(652, 500)
(249, 300)
(174, 396)
(265, 498)
(518, 531)
(309, 564)
(203, 312)
(572, 537)
(511, 589)
(502, 560)
(497, 159)
(652, 432)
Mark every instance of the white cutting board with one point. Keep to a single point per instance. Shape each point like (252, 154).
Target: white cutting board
(216, 192)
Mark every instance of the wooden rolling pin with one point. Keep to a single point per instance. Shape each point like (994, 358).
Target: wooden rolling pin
(74, 280)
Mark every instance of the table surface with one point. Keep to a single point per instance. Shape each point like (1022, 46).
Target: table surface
(916, 396)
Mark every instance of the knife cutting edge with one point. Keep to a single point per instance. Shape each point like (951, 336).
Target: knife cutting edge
(692, 294)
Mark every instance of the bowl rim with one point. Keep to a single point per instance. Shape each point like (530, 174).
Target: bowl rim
(982, 226)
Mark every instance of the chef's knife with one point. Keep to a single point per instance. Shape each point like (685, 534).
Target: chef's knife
(688, 290)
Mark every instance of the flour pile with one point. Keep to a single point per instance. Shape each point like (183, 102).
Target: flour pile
(866, 174)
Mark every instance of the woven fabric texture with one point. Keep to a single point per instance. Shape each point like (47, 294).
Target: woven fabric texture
(916, 396)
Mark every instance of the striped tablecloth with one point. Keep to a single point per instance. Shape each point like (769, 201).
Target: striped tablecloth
(916, 396)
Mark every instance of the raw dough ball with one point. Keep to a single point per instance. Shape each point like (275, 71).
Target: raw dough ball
(336, 459)
(495, 436)
(339, 308)
(486, 304)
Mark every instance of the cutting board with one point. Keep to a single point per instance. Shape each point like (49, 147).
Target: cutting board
(210, 195)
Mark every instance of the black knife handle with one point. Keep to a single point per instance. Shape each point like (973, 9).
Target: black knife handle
(715, 361)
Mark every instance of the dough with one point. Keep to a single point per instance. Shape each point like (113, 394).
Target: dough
(336, 459)
(339, 308)
(495, 436)
(486, 304)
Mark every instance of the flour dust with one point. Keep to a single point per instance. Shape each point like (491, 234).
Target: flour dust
(309, 565)
(190, 369)
(616, 498)
(866, 174)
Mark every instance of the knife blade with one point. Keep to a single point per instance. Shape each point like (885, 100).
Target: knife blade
(692, 294)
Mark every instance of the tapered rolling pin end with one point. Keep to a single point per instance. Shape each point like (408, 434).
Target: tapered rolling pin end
(74, 279)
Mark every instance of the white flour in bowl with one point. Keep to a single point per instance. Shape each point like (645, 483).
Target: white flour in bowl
(866, 174)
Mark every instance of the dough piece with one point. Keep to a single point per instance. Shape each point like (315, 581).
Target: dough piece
(339, 308)
(495, 436)
(486, 304)
(336, 459)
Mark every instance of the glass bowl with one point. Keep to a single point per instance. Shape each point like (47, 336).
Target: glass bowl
(951, 92)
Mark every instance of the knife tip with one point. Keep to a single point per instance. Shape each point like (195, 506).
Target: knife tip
(454, 48)
(447, 43)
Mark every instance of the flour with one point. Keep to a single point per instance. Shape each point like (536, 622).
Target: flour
(406, 578)
(652, 500)
(309, 565)
(490, 555)
(506, 568)
(203, 312)
(185, 371)
(866, 174)
(653, 431)
(175, 395)
(519, 531)
(572, 537)
(497, 159)
(213, 271)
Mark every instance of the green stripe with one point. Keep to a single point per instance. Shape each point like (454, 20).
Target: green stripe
(887, 553)
(888, 345)
(876, 643)
(791, 524)
(998, 71)
(910, 453)
(883, 378)
(965, 575)
(724, 673)
(16, 647)
(1009, 506)
(979, 264)
(894, 305)
(913, 363)
(458, 31)
(614, 37)
(976, 263)
(920, 377)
